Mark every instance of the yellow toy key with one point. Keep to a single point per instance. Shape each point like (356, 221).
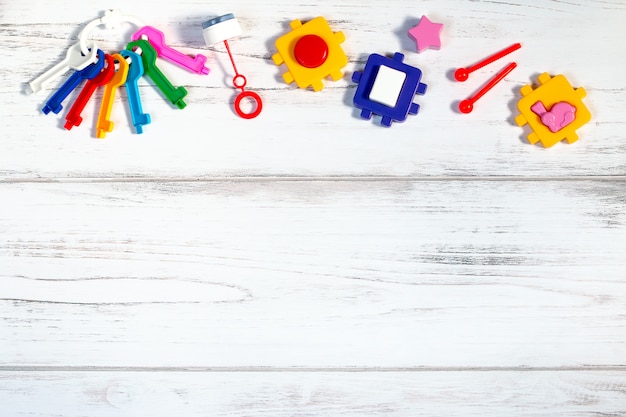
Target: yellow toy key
(105, 125)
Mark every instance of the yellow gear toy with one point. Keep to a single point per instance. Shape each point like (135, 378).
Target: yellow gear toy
(311, 52)
(566, 111)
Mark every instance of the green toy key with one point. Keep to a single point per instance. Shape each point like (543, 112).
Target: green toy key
(148, 57)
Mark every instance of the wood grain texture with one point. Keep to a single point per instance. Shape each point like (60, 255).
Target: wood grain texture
(319, 273)
(317, 134)
(255, 394)
(307, 262)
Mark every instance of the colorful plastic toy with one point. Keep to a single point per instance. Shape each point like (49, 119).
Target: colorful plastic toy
(135, 71)
(73, 117)
(110, 19)
(157, 39)
(148, 55)
(461, 74)
(104, 124)
(426, 34)
(467, 105)
(139, 59)
(311, 52)
(387, 87)
(560, 115)
(77, 77)
(220, 29)
(74, 59)
(554, 110)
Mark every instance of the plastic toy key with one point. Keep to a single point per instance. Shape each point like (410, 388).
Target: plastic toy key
(73, 117)
(148, 56)
(54, 103)
(73, 60)
(119, 78)
(157, 39)
(135, 71)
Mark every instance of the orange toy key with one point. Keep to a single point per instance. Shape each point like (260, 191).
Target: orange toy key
(119, 78)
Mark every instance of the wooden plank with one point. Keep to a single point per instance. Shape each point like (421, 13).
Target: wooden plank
(303, 133)
(313, 273)
(395, 394)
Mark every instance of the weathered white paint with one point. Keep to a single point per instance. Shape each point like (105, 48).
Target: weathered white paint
(324, 273)
(286, 261)
(306, 133)
(286, 394)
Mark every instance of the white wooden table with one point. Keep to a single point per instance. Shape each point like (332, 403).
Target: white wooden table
(308, 262)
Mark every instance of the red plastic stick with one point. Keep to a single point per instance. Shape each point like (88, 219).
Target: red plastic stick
(461, 74)
(232, 61)
(466, 106)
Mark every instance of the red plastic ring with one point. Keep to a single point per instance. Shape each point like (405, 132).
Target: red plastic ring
(239, 77)
(254, 96)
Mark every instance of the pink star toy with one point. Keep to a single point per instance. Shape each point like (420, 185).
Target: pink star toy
(426, 34)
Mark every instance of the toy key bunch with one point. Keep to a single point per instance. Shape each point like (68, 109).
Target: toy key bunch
(311, 52)
(112, 71)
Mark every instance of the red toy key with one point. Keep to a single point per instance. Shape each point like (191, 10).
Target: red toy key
(73, 117)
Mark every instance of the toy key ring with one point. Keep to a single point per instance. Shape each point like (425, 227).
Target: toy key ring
(111, 20)
(220, 29)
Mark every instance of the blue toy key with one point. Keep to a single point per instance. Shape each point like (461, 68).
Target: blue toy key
(135, 71)
(54, 103)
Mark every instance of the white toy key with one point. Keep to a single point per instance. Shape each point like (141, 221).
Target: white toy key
(73, 60)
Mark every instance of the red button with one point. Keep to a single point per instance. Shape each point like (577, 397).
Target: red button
(311, 51)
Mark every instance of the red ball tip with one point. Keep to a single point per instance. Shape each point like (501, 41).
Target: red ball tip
(466, 106)
(461, 74)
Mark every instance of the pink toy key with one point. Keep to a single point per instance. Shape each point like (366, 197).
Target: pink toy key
(157, 39)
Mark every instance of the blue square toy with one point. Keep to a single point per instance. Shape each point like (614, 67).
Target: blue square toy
(387, 87)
